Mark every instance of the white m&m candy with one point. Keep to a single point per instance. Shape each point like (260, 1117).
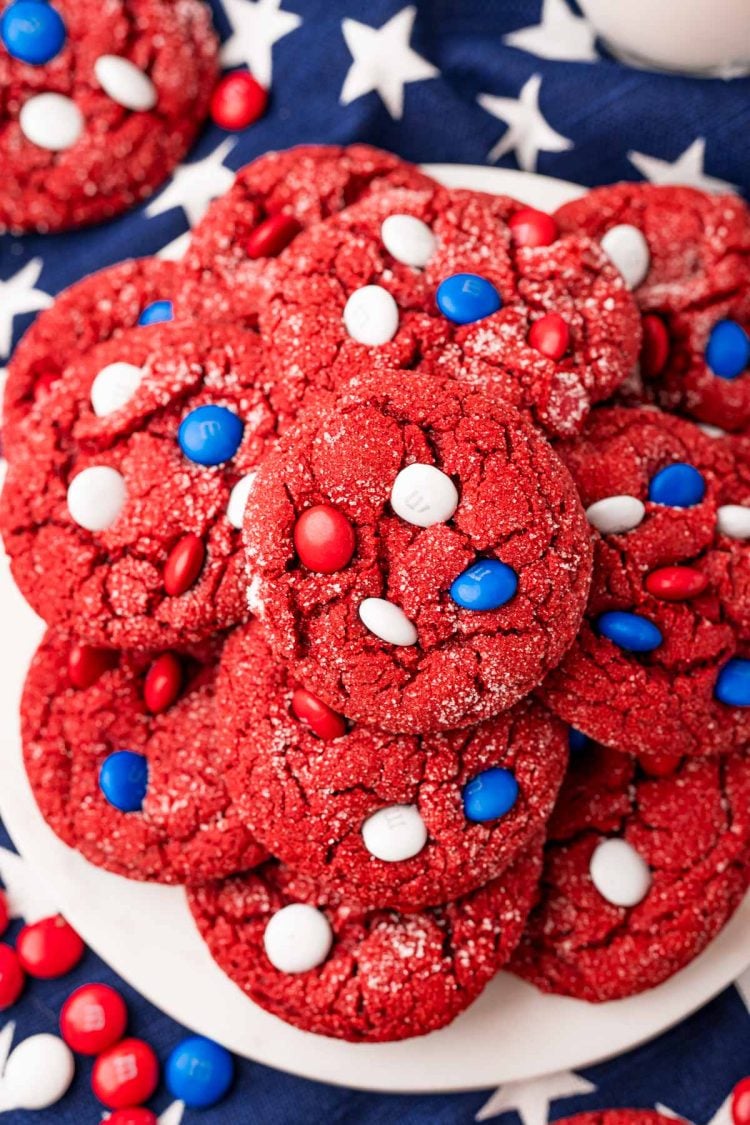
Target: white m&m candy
(619, 873)
(395, 833)
(408, 240)
(51, 121)
(113, 386)
(371, 316)
(733, 520)
(297, 938)
(96, 497)
(628, 251)
(387, 621)
(37, 1073)
(238, 498)
(125, 83)
(615, 515)
(423, 495)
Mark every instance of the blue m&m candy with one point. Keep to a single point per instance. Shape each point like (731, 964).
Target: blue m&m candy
(630, 631)
(678, 486)
(733, 684)
(492, 793)
(123, 779)
(728, 349)
(210, 435)
(577, 740)
(466, 297)
(32, 31)
(486, 584)
(158, 312)
(199, 1072)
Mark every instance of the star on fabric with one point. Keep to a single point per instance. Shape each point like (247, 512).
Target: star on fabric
(175, 249)
(256, 26)
(560, 34)
(194, 185)
(383, 61)
(528, 133)
(18, 295)
(686, 169)
(28, 896)
(531, 1100)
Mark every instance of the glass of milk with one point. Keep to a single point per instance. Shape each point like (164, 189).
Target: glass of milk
(701, 37)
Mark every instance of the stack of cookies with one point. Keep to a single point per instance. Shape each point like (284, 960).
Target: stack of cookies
(395, 551)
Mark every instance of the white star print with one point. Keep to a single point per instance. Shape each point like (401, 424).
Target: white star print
(723, 1115)
(531, 1100)
(383, 61)
(528, 133)
(743, 987)
(256, 26)
(686, 169)
(28, 896)
(18, 295)
(559, 35)
(194, 185)
(175, 249)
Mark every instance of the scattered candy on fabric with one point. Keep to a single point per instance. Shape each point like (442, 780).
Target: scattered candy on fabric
(485, 585)
(627, 249)
(728, 349)
(210, 435)
(93, 1018)
(32, 31)
(297, 938)
(490, 794)
(125, 1075)
(466, 297)
(388, 622)
(630, 631)
(395, 833)
(123, 780)
(96, 496)
(324, 539)
(4, 913)
(619, 873)
(615, 515)
(125, 83)
(136, 1115)
(424, 495)
(199, 1072)
(678, 486)
(114, 386)
(741, 1103)
(38, 1073)
(49, 948)
(12, 977)
(371, 316)
(408, 240)
(238, 101)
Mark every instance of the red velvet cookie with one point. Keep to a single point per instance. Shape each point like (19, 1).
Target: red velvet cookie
(330, 967)
(621, 1117)
(661, 659)
(452, 281)
(80, 707)
(416, 553)
(272, 199)
(98, 108)
(132, 514)
(93, 310)
(640, 873)
(691, 273)
(398, 821)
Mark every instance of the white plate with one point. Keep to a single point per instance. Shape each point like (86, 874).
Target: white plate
(147, 935)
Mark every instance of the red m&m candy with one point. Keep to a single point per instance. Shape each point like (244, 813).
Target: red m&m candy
(550, 335)
(659, 764)
(86, 664)
(317, 715)
(126, 1075)
(49, 948)
(676, 583)
(184, 564)
(163, 683)
(238, 100)
(530, 227)
(741, 1103)
(655, 345)
(11, 977)
(272, 236)
(4, 914)
(324, 539)
(93, 1018)
(138, 1115)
